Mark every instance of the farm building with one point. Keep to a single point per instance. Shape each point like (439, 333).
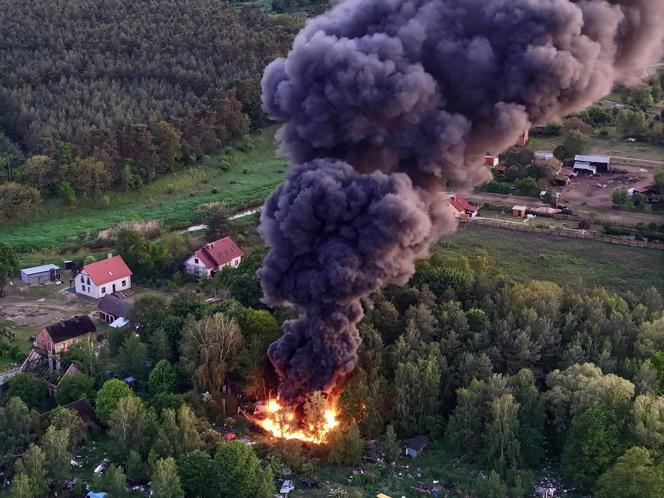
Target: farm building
(519, 211)
(416, 446)
(491, 161)
(212, 257)
(103, 277)
(542, 156)
(647, 190)
(461, 208)
(584, 167)
(40, 274)
(111, 309)
(58, 337)
(599, 163)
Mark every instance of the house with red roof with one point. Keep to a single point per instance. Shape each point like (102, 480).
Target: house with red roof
(212, 257)
(103, 278)
(461, 208)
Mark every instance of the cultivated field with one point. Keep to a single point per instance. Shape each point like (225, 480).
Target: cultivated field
(578, 263)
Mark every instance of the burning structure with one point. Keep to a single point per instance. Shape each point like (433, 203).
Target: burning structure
(386, 103)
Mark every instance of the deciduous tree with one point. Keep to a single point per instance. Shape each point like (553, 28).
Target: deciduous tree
(209, 350)
(8, 265)
(165, 481)
(108, 397)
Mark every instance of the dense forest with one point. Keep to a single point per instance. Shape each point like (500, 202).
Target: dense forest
(503, 374)
(127, 91)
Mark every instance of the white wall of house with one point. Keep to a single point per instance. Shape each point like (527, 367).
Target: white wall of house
(194, 266)
(85, 286)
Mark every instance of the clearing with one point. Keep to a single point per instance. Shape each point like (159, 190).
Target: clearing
(27, 309)
(568, 262)
(172, 199)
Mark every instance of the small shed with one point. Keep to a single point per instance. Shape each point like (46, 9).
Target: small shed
(40, 274)
(542, 156)
(584, 167)
(287, 487)
(491, 161)
(544, 491)
(416, 445)
(519, 211)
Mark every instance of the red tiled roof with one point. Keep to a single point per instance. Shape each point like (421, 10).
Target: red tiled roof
(461, 204)
(107, 270)
(219, 252)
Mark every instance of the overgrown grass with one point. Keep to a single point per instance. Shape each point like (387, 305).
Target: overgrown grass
(569, 262)
(172, 199)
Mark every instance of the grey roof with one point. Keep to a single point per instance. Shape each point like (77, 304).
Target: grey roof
(39, 269)
(585, 166)
(418, 443)
(114, 305)
(592, 159)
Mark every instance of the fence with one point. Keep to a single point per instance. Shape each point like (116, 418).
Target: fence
(7, 375)
(563, 232)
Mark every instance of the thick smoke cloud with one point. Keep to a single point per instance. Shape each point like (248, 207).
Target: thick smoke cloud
(387, 102)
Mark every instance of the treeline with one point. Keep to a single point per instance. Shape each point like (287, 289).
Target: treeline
(135, 88)
(636, 118)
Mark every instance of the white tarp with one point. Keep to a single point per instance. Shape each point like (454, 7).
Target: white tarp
(119, 323)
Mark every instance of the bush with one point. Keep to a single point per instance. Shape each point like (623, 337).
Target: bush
(527, 186)
(170, 188)
(496, 187)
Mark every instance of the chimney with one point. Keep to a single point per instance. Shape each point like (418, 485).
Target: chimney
(110, 255)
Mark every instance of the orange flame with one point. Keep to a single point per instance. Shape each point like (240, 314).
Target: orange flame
(282, 422)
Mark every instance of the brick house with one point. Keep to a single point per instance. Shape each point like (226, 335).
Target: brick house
(57, 338)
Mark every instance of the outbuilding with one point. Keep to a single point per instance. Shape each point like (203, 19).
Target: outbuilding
(584, 167)
(416, 446)
(600, 163)
(111, 307)
(519, 211)
(40, 274)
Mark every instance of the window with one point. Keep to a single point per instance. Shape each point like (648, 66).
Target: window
(124, 283)
(103, 290)
(88, 279)
(82, 279)
(196, 260)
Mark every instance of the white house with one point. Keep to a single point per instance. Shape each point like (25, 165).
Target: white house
(212, 257)
(103, 278)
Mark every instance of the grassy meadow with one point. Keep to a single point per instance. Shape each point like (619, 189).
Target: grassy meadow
(172, 199)
(577, 263)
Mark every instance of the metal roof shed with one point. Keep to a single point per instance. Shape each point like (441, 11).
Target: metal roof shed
(40, 274)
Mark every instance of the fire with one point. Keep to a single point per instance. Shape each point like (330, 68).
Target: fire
(282, 421)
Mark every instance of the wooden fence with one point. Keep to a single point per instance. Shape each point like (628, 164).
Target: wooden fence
(564, 232)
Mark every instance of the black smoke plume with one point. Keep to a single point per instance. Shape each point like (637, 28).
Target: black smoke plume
(386, 103)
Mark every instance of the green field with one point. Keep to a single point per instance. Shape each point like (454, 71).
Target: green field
(612, 146)
(578, 263)
(172, 199)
